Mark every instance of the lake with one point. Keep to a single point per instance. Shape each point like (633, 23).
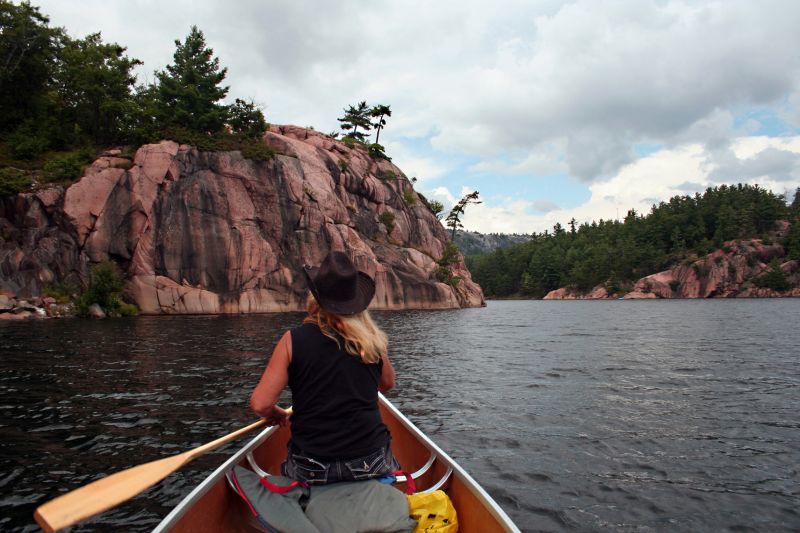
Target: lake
(678, 415)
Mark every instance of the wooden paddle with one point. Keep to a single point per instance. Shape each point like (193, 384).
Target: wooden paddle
(110, 491)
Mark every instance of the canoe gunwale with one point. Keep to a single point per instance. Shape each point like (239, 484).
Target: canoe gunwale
(479, 492)
(216, 476)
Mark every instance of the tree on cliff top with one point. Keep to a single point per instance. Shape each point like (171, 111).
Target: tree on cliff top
(453, 220)
(28, 49)
(378, 112)
(189, 91)
(354, 118)
(247, 119)
(94, 81)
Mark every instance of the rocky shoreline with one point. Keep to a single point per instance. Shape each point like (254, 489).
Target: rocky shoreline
(734, 271)
(12, 308)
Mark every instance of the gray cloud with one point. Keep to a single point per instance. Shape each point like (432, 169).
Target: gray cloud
(689, 187)
(593, 78)
(779, 165)
(544, 206)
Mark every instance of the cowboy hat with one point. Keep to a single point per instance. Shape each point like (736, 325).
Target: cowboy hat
(338, 286)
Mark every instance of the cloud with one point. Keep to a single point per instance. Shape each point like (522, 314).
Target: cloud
(536, 89)
(426, 169)
(650, 180)
(689, 187)
(546, 160)
(791, 110)
(592, 77)
(544, 206)
(604, 76)
(771, 163)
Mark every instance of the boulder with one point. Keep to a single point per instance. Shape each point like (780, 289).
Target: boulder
(598, 293)
(22, 315)
(560, 294)
(95, 311)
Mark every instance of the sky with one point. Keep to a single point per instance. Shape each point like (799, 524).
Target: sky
(550, 109)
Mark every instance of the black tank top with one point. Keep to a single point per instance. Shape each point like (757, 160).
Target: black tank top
(334, 397)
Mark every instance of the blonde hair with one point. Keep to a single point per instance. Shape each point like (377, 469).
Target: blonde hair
(360, 334)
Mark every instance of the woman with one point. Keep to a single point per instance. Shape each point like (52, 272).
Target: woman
(334, 364)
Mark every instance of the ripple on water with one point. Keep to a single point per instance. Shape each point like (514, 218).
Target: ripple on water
(575, 416)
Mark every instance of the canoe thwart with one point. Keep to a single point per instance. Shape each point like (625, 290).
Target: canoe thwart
(439, 484)
(424, 468)
(254, 465)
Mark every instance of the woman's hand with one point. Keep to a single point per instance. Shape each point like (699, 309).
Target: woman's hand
(279, 416)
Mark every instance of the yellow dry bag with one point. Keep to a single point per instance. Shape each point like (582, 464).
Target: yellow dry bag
(433, 511)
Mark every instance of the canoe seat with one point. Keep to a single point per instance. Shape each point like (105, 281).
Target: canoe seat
(436, 486)
(400, 479)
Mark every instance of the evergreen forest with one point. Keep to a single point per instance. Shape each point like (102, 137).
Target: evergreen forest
(617, 253)
(63, 100)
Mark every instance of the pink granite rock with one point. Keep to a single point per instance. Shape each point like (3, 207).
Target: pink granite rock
(560, 294)
(720, 274)
(201, 232)
(597, 293)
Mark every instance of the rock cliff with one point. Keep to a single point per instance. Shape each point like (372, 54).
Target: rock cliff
(212, 232)
(731, 272)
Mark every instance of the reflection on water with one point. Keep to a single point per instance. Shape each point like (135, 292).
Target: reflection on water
(575, 416)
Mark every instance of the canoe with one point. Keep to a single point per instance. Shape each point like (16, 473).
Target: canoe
(213, 506)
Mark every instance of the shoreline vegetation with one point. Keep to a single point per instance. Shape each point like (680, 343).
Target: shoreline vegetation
(730, 241)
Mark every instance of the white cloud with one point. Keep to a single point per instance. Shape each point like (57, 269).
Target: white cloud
(524, 88)
(791, 110)
(546, 160)
(425, 169)
(489, 79)
(657, 177)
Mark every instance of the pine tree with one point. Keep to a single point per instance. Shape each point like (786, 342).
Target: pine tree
(774, 278)
(189, 90)
(453, 220)
(95, 82)
(793, 240)
(246, 118)
(378, 112)
(28, 48)
(354, 118)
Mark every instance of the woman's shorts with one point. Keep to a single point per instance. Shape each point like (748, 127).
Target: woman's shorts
(315, 472)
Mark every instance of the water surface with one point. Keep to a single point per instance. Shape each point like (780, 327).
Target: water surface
(575, 416)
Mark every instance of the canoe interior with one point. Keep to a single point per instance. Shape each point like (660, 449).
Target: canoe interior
(220, 509)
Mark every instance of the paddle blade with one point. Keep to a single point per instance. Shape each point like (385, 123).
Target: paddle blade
(105, 493)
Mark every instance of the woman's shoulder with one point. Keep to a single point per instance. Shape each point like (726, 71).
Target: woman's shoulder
(305, 326)
(306, 329)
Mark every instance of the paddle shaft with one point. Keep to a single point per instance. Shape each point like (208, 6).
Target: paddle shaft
(110, 491)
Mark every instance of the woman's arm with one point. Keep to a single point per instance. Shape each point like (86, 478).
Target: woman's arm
(273, 381)
(387, 375)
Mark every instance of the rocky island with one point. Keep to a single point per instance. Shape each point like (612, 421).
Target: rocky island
(214, 232)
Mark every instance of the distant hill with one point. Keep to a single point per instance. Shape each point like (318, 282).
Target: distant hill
(474, 243)
(727, 241)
